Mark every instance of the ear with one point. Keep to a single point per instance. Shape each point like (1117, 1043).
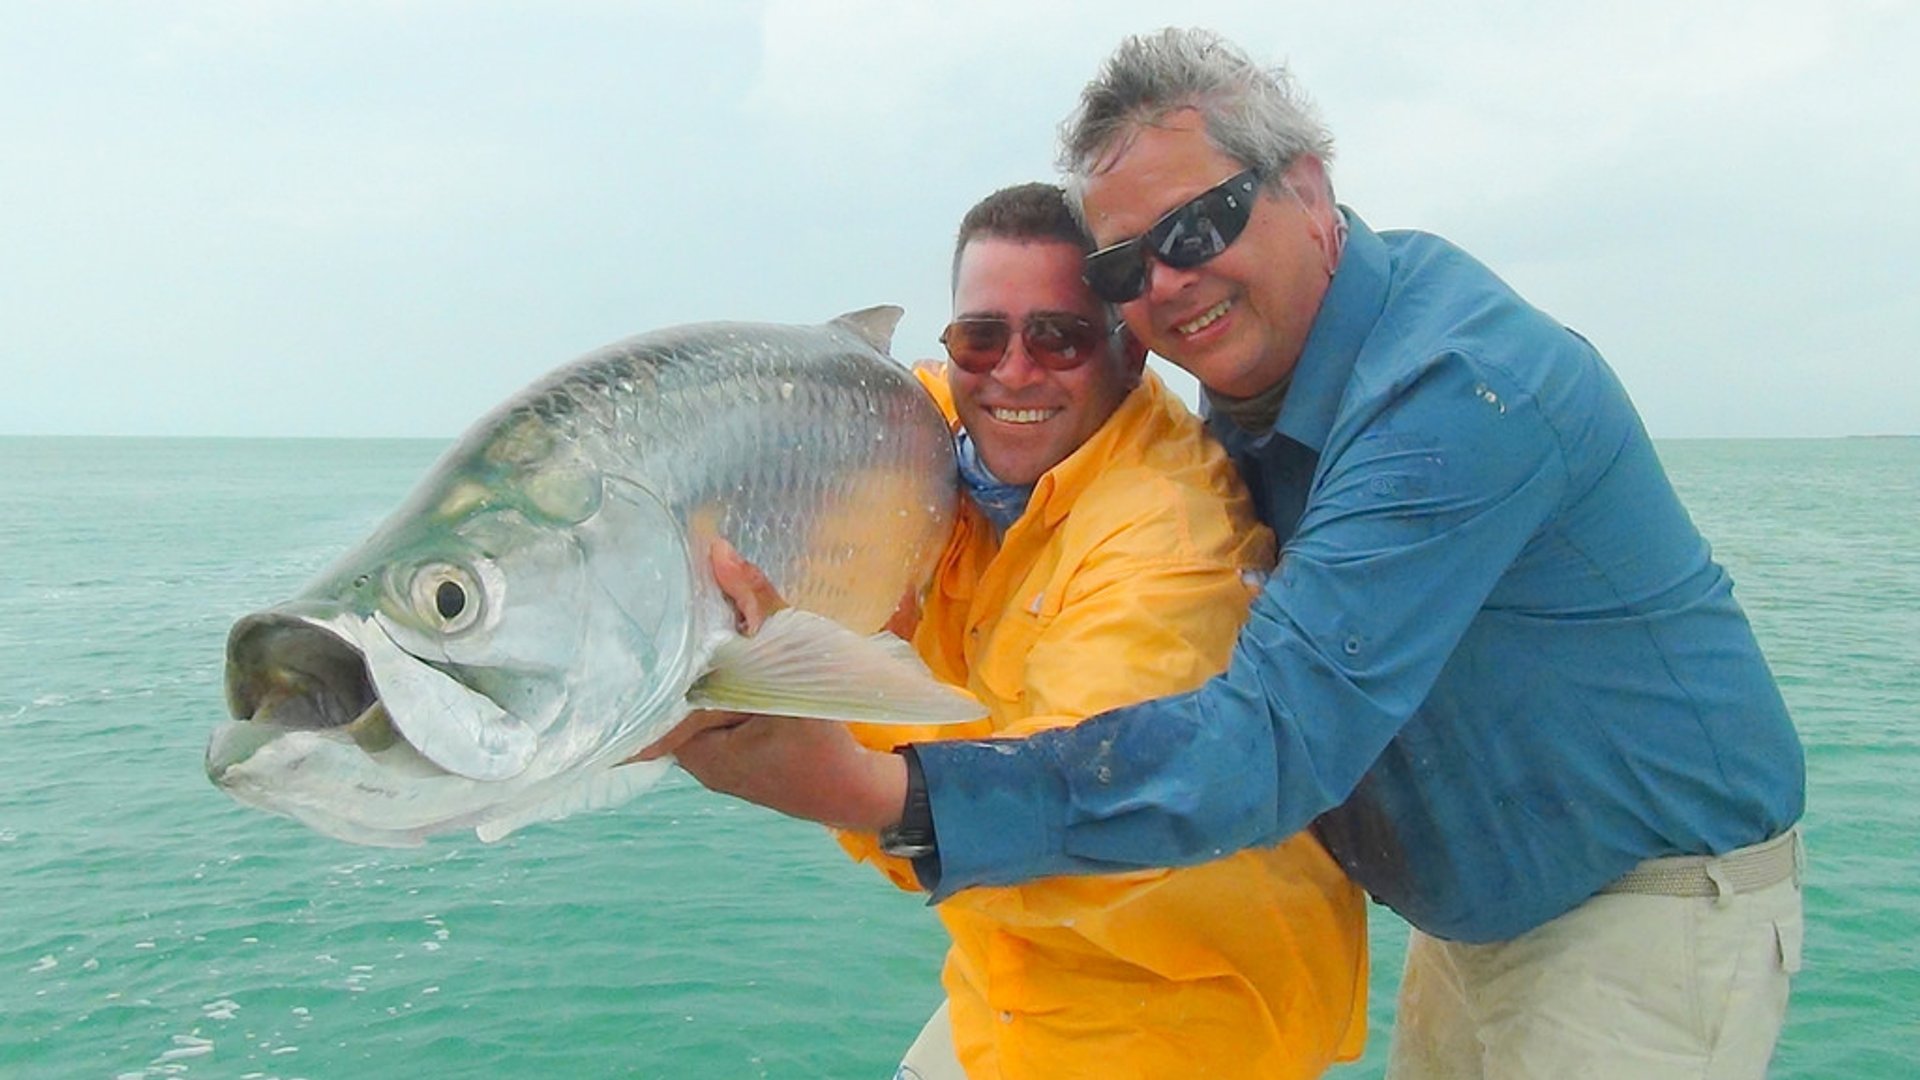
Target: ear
(1312, 187)
(1307, 181)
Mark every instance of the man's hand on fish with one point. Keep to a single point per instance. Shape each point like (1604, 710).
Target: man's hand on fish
(754, 597)
(811, 769)
(807, 769)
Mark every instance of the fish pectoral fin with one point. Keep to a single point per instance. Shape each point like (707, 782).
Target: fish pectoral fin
(461, 731)
(594, 791)
(803, 664)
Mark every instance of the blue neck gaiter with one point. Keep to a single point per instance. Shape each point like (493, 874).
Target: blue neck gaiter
(1002, 503)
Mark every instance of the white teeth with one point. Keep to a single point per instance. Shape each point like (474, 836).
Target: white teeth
(1022, 416)
(1206, 319)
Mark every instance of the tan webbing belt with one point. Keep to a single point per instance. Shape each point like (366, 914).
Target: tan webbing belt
(1745, 870)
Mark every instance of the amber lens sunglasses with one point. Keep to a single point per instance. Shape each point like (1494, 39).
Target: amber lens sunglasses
(1056, 340)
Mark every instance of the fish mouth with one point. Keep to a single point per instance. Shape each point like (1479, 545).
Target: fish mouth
(289, 671)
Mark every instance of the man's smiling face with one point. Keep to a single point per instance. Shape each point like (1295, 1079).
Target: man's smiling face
(1238, 321)
(1026, 418)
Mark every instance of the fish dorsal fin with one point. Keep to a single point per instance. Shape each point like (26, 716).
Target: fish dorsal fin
(875, 325)
(803, 664)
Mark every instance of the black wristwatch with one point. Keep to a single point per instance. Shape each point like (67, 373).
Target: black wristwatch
(913, 837)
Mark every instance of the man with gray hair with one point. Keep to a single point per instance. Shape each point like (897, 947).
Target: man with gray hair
(1497, 668)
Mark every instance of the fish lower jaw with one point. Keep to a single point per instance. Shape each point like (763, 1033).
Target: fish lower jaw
(236, 740)
(1024, 416)
(323, 780)
(233, 743)
(1205, 319)
(237, 748)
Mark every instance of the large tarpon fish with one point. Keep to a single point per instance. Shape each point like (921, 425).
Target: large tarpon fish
(540, 606)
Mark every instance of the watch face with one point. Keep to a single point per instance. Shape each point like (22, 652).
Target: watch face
(913, 836)
(906, 843)
(908, 851)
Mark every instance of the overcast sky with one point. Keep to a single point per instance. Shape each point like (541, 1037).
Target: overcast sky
(380, 217)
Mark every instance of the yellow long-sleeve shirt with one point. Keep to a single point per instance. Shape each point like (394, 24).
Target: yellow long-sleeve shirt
(1127, 578)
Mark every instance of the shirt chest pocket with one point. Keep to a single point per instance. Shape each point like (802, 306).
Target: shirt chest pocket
(1002, 649)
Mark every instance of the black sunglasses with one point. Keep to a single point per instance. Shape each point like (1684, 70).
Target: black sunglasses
(1056, 340)
(1185, 237)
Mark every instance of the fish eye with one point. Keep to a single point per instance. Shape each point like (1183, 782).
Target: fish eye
(447, 597)
(450, 599)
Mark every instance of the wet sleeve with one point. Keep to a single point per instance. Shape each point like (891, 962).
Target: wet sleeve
(864, 847)
(1411, 523)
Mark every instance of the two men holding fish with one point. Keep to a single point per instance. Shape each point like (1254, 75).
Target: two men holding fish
(473, 665)
(1496, 669)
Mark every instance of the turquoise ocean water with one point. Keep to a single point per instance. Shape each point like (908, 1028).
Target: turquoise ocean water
(149, 927)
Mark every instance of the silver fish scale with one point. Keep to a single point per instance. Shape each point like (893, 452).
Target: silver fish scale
(817, 456)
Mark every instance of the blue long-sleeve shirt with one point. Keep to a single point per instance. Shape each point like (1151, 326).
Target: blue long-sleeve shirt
(1497, 663)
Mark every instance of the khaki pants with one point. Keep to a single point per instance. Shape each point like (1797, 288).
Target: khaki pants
(1628, 985)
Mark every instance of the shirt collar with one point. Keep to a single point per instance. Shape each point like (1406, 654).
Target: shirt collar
(1057, 489)
(1353, 302)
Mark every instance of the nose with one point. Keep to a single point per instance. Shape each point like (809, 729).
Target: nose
(1017, 367)
(1164, 282)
